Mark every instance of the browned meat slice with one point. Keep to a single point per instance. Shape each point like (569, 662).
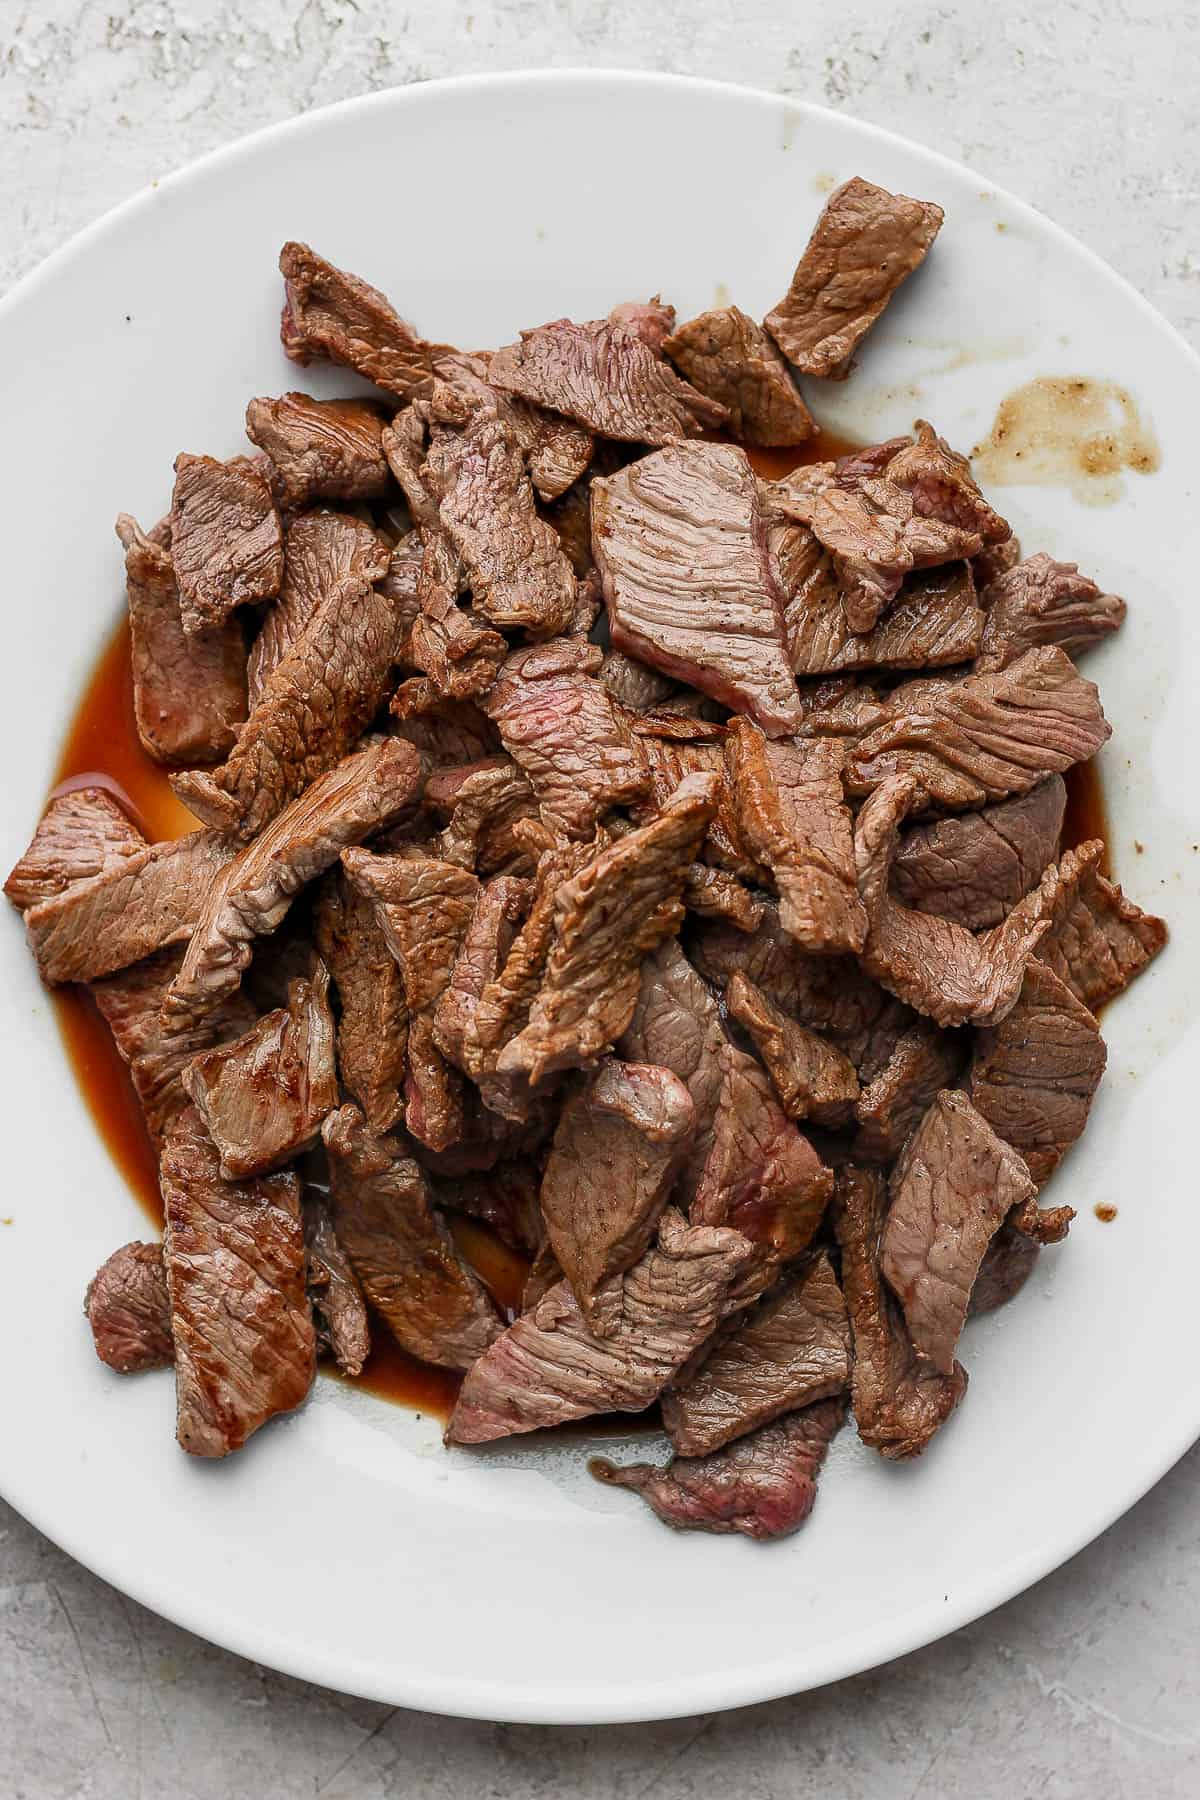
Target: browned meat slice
(995, 560)
(952, 1188)
(452, 647)
(899, 1399)
(434, 1097)
(264, 1096)
(560, 725)
(680, 543)
(812, 1077)
(339, 1309)
(557, 451)
(372, 1027)
(794, 819)
(506, 1199)
(732, 360)
(935, 621)
(321, 449)
(313, 705)
(632, 684)
(189, 690)
(324, 552)
(129, 1311)
(676, 1024)
(933, 964)
(331, 315)
(1041, 601)
(841, 706)
(547, 1368)
(794, 1348)
(226, 539)
(515, 567)
(1033, 1076)
(974, 868)
(866, 242)
(132, 908)
(484, 801)
(606, 377)
(245, 1348)
(616, 1152)
(1005, 1269)
(650, 319)
(250, 897)
(618, 909)
(447, 732)
(763, 1486)
(1100, 941)
(432, 1304)
(671, 758)
(402, 586)
(81, 833)
(889, 1110)
(986, 737)
(714, 894)
(499, 910)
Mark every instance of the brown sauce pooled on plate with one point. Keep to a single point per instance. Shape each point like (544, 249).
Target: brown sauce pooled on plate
(1067, 431)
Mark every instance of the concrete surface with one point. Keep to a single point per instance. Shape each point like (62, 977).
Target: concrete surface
(1089, 1685)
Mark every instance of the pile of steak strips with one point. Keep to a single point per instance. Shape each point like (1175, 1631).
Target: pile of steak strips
(659, 863)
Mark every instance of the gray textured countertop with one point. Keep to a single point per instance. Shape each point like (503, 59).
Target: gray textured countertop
(1090, 1684)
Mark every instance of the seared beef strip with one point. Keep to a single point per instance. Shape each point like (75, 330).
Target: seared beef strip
(339, 1310)
(321, 449)
(81, 833)
(763, 1485)
(264, 1096)
(1005, 1269)
(548, 1368)
(323, 553)
(974, 868)
(794, 819)
(986, 737)
(226, 539)
(889, 1109)
(680, 543)
(613, 913)
(934, 621)
(619, 1144)
(433, 1305)
(1100, 940)
(251, 895)
(951, 1190)
(732, 360)
(899, 1398)
(671, 758)
(632, 684)
(447, 732)
(557, 451)
(457, 652)
(129, 1311)
(1041, 601)
(1033, 1076)
(485, 801)
(372, 1026)
(189, 690)
(234, 1254)
(811, 1076)
(499, 909)
(329, 314)
(865, 243)
(606, 377)
(650, 319)
(794, 1348)
(560, 725)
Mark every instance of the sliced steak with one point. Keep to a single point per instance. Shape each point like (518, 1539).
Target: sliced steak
(891, 1107)
(321, 449)
(484, 800)
(548, 1368)
(676, 1025)
(329, 315)
(680, 542)
(560, 725)
(81, 833)
(1040, 601)
(650, 319)
(732, 360)
(129, 1311)
(447, 732)
(899, 1398)
(865, 243)
(226, 539)
(606, 377)
(433, 1305)
(499, 910)
(251, 895)
(632, 684)
(1006, 1267)
(1033, 1076)
(339, 1309)
(264, 1096)
(671, 758)
(935, 621)
(616, 1152)
(618, 909)
(951, 1190)
(794, 1348)
(372, 1026)
(811, 1076)
(324, 553)
(458, 653)
(245, 1348)
(189, 690)
(975, 868)
(506, 1199)
(762, 1486)
(986, 737)
(794, 819)
(1100, 941)
(557, 451)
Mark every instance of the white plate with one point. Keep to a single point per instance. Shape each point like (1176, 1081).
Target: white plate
(344, 1545)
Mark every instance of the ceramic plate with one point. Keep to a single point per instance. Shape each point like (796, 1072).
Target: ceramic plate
(344, 1545)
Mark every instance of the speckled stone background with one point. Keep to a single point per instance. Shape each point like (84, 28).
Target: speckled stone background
(1090, 1685)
